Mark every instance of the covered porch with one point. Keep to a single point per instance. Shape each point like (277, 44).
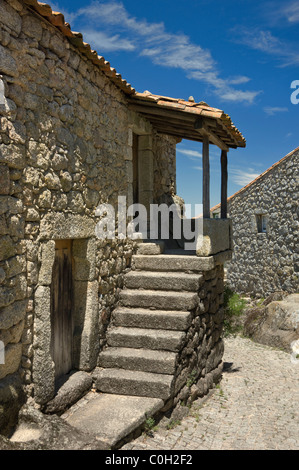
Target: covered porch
(206, 125)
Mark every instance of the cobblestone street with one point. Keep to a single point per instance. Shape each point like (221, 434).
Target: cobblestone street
(255, 407)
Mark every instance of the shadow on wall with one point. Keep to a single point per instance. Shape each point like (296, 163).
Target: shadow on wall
(12, 398)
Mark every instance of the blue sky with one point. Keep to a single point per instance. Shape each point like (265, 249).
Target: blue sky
(240, 56)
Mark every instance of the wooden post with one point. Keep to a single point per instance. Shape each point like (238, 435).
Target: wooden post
(223, 184)
(206, 177)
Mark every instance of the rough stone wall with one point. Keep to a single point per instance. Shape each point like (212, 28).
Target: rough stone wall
(263, 263)
(199, 366)
(164, 167)
(65, 147)
(64, 144)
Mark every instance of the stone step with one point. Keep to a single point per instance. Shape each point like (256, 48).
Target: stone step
(172, 262)
(163, 281)
(150, 248)
(167, 340)
(153, 319)
(160, 300)
(134, 383)
(145, 360)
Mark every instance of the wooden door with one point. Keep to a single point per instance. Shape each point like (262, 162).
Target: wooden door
(61, 308)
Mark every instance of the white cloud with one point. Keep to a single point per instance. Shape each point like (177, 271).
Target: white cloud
(105, 42)
(223, 88)
(264, 41)
(238, 80)
(176, 51)
(281, 13)
(231, 94)
(214, 153)
(242, 177)
(167, 49)
(110, 27)
(190, 153)
(291, 12)
(271, 110)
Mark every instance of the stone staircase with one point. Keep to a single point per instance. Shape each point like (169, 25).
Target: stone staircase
(149, 327)
(156, 339)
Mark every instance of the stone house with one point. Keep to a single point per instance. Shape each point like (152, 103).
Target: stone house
(74, 134)
(265, 226)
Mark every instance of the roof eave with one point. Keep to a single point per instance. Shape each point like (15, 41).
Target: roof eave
(187, 120)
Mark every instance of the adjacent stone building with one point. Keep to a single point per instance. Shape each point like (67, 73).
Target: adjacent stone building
(73, 135)
(265, 228)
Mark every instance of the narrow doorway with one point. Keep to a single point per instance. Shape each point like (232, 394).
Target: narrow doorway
(62, 309)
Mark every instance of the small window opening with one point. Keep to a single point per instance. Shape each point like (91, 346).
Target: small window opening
(261, 223)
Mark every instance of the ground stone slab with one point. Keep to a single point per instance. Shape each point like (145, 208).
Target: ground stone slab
(37, 431)
(111, 417)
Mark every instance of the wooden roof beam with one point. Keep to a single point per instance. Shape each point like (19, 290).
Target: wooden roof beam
(202, 127)
(151, 110)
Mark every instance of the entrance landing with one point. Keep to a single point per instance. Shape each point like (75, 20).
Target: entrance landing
(110, 418)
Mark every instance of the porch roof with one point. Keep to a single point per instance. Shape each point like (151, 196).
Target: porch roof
(187, 119)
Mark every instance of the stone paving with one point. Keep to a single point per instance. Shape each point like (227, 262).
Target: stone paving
(255, 407)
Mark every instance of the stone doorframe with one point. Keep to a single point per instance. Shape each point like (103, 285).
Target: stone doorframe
(86, 329)
(144, 131)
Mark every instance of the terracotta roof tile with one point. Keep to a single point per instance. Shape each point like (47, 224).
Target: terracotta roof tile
(224, 122)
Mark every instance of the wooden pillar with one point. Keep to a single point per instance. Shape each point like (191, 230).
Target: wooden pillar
(206, 177)
(223, 184)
